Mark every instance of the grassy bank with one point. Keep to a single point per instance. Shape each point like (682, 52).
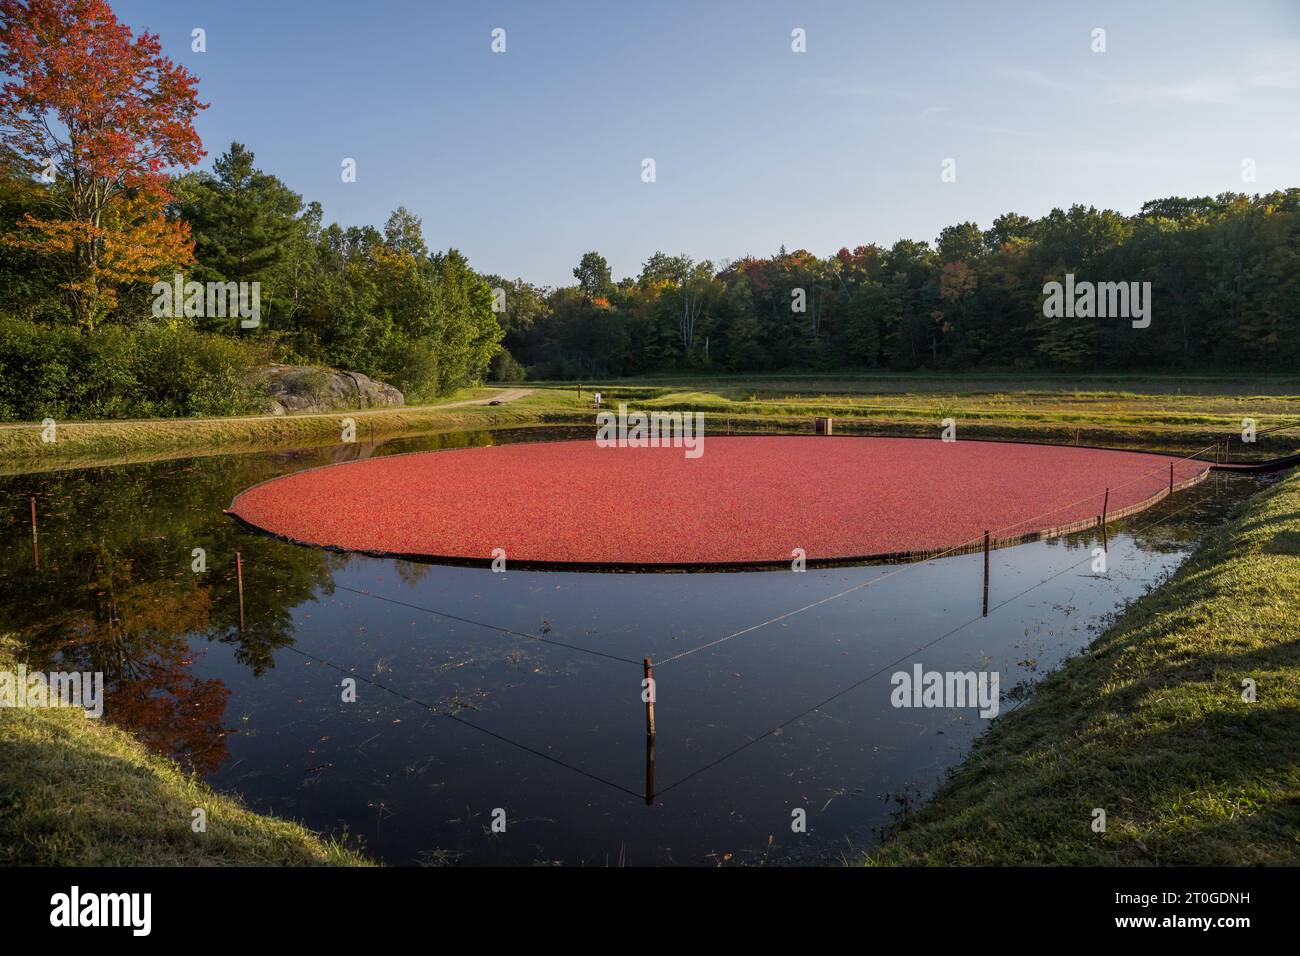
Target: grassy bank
(80, 792)
(120, 442)
(1175, 413)
(1149, 724)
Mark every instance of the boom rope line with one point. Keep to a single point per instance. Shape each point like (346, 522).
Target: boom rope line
(1277, 428)
(858, 683)
(491, 627)
(462, 721)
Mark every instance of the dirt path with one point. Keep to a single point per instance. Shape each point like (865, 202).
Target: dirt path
(505, 395)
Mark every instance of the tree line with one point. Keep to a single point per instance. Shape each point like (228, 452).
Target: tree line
(1224, 276)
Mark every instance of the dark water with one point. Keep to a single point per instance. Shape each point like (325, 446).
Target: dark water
(454, 719)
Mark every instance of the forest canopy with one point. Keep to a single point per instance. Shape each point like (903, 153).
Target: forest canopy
(1224, 276)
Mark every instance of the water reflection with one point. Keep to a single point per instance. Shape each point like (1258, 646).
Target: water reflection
(113, 588)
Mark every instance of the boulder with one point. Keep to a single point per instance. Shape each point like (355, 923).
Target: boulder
(311, 388)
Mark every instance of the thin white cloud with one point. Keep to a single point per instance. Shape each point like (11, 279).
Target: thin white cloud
(1279, 68)
(996, 130)
(1276, 67)
(1027, 77)
(1206, 89)
(1137, 161)
(932, 115)
(831, 86)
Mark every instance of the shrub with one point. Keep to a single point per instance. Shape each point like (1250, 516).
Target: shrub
(506, 369)
(412, 366)
(154, 370)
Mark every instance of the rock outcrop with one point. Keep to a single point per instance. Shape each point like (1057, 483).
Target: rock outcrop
(309, 388)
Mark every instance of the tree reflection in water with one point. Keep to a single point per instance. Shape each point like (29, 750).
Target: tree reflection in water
(115, 591)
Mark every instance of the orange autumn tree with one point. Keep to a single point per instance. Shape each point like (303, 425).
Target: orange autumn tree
(104, 115)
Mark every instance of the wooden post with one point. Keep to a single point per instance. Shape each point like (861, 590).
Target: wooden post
(239, 577)
(1076, 436)
(986, 573)
(649, 732)
(823, 426)
(36, 552)
(1105, 508)
(1171, 477)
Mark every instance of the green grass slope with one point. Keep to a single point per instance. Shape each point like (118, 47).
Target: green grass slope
(80, 792)
(1149, 725)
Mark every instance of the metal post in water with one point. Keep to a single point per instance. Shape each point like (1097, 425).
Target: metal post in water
(36, 553)
(239, 577)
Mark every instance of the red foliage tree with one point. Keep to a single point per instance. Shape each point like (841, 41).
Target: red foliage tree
(107, 114)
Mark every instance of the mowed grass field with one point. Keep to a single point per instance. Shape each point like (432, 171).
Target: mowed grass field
(1134, 406)
(1179, 413)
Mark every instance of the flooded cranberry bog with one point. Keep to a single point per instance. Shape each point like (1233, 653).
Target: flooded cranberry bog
(413, 704)
(754, 501)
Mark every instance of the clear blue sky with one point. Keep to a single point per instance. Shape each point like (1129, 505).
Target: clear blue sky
(527, 159)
